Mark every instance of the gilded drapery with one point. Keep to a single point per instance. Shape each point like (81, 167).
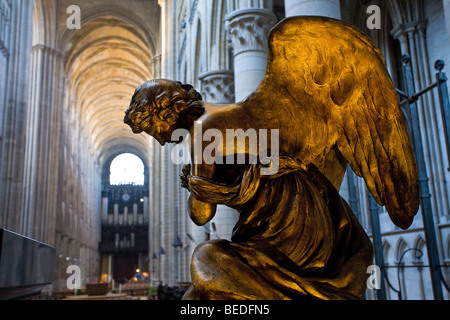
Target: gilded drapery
(295, 238)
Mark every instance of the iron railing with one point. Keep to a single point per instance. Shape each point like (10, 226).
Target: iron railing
(410, 99)
(400, 267)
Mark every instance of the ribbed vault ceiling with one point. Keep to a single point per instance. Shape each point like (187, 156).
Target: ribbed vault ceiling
(107, 60)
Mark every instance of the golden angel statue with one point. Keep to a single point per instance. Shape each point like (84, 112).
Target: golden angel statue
(328, 94)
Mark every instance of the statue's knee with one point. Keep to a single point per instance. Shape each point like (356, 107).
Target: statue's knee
(209, 250)
(208, 259)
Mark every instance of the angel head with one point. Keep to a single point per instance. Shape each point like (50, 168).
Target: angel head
(159, 107)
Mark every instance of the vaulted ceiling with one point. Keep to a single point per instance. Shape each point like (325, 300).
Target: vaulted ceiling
(106, 61)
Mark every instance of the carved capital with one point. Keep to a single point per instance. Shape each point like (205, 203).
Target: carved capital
(218, 86)
(408, 29)
(247, 29)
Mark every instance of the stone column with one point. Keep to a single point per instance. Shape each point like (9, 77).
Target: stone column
(326, 8)
(218, 88)
(18, 44)
(156, 66)
(164, 169)
(43, 144)
(5, 17)
(247, 33)
(446, 4)
(168, 48)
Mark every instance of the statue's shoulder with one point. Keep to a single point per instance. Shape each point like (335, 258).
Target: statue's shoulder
(215, 116)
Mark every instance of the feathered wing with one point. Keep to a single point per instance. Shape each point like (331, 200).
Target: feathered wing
(332, 74)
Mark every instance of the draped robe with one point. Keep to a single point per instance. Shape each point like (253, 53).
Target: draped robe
(295, 238)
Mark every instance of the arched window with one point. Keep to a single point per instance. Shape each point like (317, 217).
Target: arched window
(127, 168)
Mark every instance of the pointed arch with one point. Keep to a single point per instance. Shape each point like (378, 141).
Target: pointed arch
(400, 248)
(419, 242)
(126, 168)
(386, 249)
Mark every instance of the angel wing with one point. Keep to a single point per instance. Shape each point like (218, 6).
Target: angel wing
(334, 80)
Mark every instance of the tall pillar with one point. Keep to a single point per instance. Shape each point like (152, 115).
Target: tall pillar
(19, 42)
(168, 48)
(164, 169)
(218, 88)
(247, 32)
(446, 4)
(43, 144)
(156, 66)
(5, 18)
(325, 8)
